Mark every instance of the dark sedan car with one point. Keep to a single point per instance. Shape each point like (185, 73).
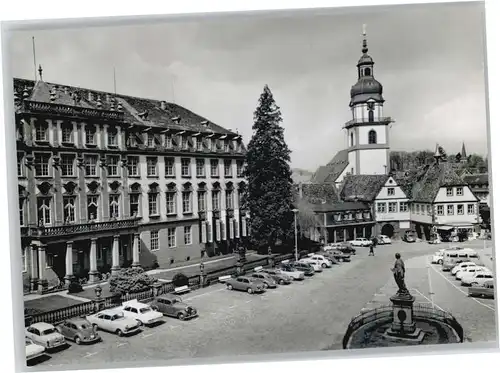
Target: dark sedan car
(278, 276)
(172, 305)
(268, 281)
(304, 267)
(78, 330)
(340, 256)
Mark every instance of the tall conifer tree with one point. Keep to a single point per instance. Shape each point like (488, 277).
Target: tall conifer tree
(269, 196)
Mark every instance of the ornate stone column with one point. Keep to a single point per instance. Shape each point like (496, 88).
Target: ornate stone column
(116, 254)
(135, 251)
(69, 262)
(42, 264)
(93, 274)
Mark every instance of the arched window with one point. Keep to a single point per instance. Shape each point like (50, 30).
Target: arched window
(352, 139)
(372, 137)
(367, 71)
(370, 116)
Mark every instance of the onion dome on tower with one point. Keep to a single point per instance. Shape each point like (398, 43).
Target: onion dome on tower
(367, 87)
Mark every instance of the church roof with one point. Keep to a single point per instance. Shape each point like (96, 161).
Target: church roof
(320, 193)
(341, 206)
(476, 179)
(333, 169)
(362, 187)
(139, 111)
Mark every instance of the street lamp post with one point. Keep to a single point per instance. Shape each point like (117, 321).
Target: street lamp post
(295, 211)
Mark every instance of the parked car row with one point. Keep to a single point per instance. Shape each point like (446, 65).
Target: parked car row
(123, 320)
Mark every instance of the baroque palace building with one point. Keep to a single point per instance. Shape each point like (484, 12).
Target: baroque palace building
(108, 181)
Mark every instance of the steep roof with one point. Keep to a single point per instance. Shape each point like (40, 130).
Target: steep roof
(362, 187)
(426, 183)
(333, 169)
(319, 193)
(476, 179)
(341, 206)
(139, 111)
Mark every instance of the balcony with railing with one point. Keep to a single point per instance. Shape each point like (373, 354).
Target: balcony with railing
(71, 111)
(72, 229)
(366, 121)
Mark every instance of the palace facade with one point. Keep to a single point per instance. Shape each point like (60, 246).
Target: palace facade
(109, 181)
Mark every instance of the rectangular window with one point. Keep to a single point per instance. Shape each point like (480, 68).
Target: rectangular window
(114, 206)
(90, 165)
(195, 142)
(185, 167)
(187, 235)
(449, 192)
(168, 141)
(184, 142)
(381, 206)
(44, 210)
(403, 206)
(460, 209)
(169, 167)
(41, 132)
(150, 140)
(214, 167)
(226, 146)
(151, 166)
(393, 207)
(21, 211)
(113, 165)
(418, 209)
(440, 210)
(90, 136)
(470, 209)
(186, 202)
(199, 144)
(215, 200)
(134, 204)
(69, 209)
(239, 168)
(133, 166)
(67, 134)
(92, 207)
(171, 204)
(202, 200)
(460, 191)
(450, 210)
(229, 199)
(42, 164)
(200, 167)
(20, 164)
(67, 164)
(153, 204)
(24, 262)
(171, 237)
(214, 145)
(228, 168)
(112, 137)
(390, 191)
(155, 245)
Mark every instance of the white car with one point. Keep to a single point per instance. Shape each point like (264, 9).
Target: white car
(314, 263)
(33, 350)
(292, 272)
(45, 335)
(437, 258)
(462, 266)
(384, 240)
(141, 312)
(114, 321)
(365, 242)
(324, 262)
(470, 271)
(478, 278)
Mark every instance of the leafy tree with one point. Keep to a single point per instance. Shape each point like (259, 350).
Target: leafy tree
(306, 217)
(180, 279)
(130, 280)
(269, 195)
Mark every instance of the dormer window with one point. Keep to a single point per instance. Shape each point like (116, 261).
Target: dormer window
(151, 140)
(367, 71)
(372, 137)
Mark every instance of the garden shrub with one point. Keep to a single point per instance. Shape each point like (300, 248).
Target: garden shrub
(130, 280)
(74, 287)
(180, 279)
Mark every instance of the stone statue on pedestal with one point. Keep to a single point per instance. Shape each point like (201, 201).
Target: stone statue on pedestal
(399, 276)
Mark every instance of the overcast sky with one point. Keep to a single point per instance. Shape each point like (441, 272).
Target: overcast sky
(429, 58)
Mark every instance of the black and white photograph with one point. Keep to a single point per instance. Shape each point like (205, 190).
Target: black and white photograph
(242, 184)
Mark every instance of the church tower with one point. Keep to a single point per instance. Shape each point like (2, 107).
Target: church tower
(368, 130)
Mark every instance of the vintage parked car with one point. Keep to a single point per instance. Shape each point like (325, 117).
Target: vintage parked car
(141, 312)
(328, 255)
(485, 291)
(173, 306)
(462, 266)
(477, 279)
(344, 247)
(410, 236)
(45, 335)
(246, 283)
(469, 271)
(314, 263)
(363, 242)
(114, 321)
(304, 267)
(289, 270)
(437, 258)
(279, 276)
(33, 350)
(340, 256)
(383, 239)
(268, 281)
(78, 330)
(322, 260)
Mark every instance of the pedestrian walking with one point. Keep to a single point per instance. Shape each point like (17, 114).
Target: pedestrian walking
(371, 253)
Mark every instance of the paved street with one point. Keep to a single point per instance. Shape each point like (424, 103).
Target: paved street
(304, 316)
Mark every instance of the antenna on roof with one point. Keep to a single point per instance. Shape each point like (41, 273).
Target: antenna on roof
(114, 79)
(34, 55)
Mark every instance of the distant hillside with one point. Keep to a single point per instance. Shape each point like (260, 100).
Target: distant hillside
(301, 176)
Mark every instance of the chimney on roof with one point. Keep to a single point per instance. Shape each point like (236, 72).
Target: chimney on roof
(108, 97)
(112, 105)
(176, 120)
(66, 90)
(163, 105)
(53, 94)
(25, 92)
(99, 102)
(120, 107)
(90, 97)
